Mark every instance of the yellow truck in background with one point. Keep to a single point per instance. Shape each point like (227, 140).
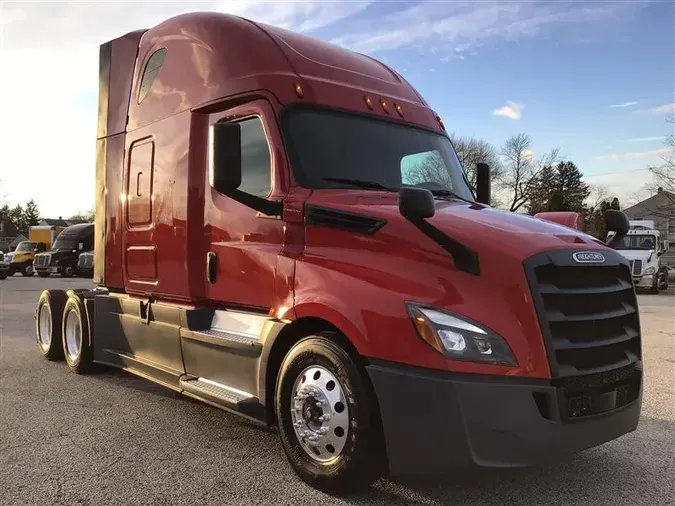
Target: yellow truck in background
(40, 239)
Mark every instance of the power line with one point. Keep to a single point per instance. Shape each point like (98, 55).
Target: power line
(616, 172)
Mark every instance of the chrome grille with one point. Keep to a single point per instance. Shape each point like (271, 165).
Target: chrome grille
(42, 260)
(636, 267)
(85, 261)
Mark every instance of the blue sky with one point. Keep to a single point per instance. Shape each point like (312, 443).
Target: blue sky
(556, 70)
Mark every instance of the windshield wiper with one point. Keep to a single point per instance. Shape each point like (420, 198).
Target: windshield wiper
(449, 193)
(368, 185)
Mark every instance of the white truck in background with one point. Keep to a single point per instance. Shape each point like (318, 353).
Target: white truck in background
(642, 247)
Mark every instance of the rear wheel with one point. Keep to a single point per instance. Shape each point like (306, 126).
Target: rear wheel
(48, 323)
(326, 418)
(76, 342)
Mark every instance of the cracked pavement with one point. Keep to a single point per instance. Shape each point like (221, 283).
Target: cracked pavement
(112, 438)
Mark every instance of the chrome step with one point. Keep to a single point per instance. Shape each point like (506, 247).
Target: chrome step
(211, 390)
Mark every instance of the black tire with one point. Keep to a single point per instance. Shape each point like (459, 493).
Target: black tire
(43, 274)
(52, 301)
(68, 271)
(655, 285)
(664, 280)
(81, 362)
(27, 270)
(4, 274)
(361, 461)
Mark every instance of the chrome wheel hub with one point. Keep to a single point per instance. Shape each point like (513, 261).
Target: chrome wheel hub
(320, 414)
(73, 335)
(45, 326)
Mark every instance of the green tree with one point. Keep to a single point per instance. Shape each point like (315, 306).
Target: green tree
(31, 214)
(17, 217)
(543, 189)
(595, 217)
(559, 188)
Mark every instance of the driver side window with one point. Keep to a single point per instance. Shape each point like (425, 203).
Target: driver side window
(256, 162)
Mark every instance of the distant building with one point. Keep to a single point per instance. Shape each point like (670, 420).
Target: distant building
(60, 222)
(660, 208)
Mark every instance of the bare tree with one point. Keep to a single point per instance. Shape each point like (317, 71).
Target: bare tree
(664, 178)
(521, 169)
(472, 151)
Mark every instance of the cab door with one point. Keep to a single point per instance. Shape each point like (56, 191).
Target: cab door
(242, 244)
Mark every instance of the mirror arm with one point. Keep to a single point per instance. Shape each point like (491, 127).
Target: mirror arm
(264, 206)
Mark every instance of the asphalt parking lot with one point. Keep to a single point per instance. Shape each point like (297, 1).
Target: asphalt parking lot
(112, 438)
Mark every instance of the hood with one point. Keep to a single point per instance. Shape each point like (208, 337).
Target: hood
(638, 254)
(476, 226)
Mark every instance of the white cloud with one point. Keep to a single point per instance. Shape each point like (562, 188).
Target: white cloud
(648, 139)
(626, 184)
(50, 50)
(468, 23)
(638, 155)
(511, 110)
(624, 104)
(653, 153)
(611, 156)
(663, 109)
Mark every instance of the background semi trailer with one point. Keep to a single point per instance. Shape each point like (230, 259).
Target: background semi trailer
(642, 247)
(259, 247)
(64, 254)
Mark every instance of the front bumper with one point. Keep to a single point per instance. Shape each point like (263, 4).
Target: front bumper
(643, 281)
(436, 422)
(51, 269)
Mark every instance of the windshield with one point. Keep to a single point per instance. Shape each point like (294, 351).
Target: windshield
(25, 246)
(643, 242)
(329, 145)
(65, 243)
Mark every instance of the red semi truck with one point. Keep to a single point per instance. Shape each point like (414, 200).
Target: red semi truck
(284, 231)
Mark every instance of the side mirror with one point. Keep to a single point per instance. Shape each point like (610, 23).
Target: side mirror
(225, 156)
(416, 203)
(483, 184)
(617, 222)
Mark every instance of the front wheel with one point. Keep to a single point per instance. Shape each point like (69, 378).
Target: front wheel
(655, 285)
(27, 270)
(327, 419)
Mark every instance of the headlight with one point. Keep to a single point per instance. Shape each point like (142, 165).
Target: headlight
(650, 270)
(458, 338)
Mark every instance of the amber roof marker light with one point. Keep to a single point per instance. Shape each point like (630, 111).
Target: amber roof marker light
(385, 107)
(399, 109)
(440, 122)
(299, 91)
(368, 102)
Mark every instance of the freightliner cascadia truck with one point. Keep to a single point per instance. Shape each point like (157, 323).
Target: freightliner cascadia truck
(283, 230)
